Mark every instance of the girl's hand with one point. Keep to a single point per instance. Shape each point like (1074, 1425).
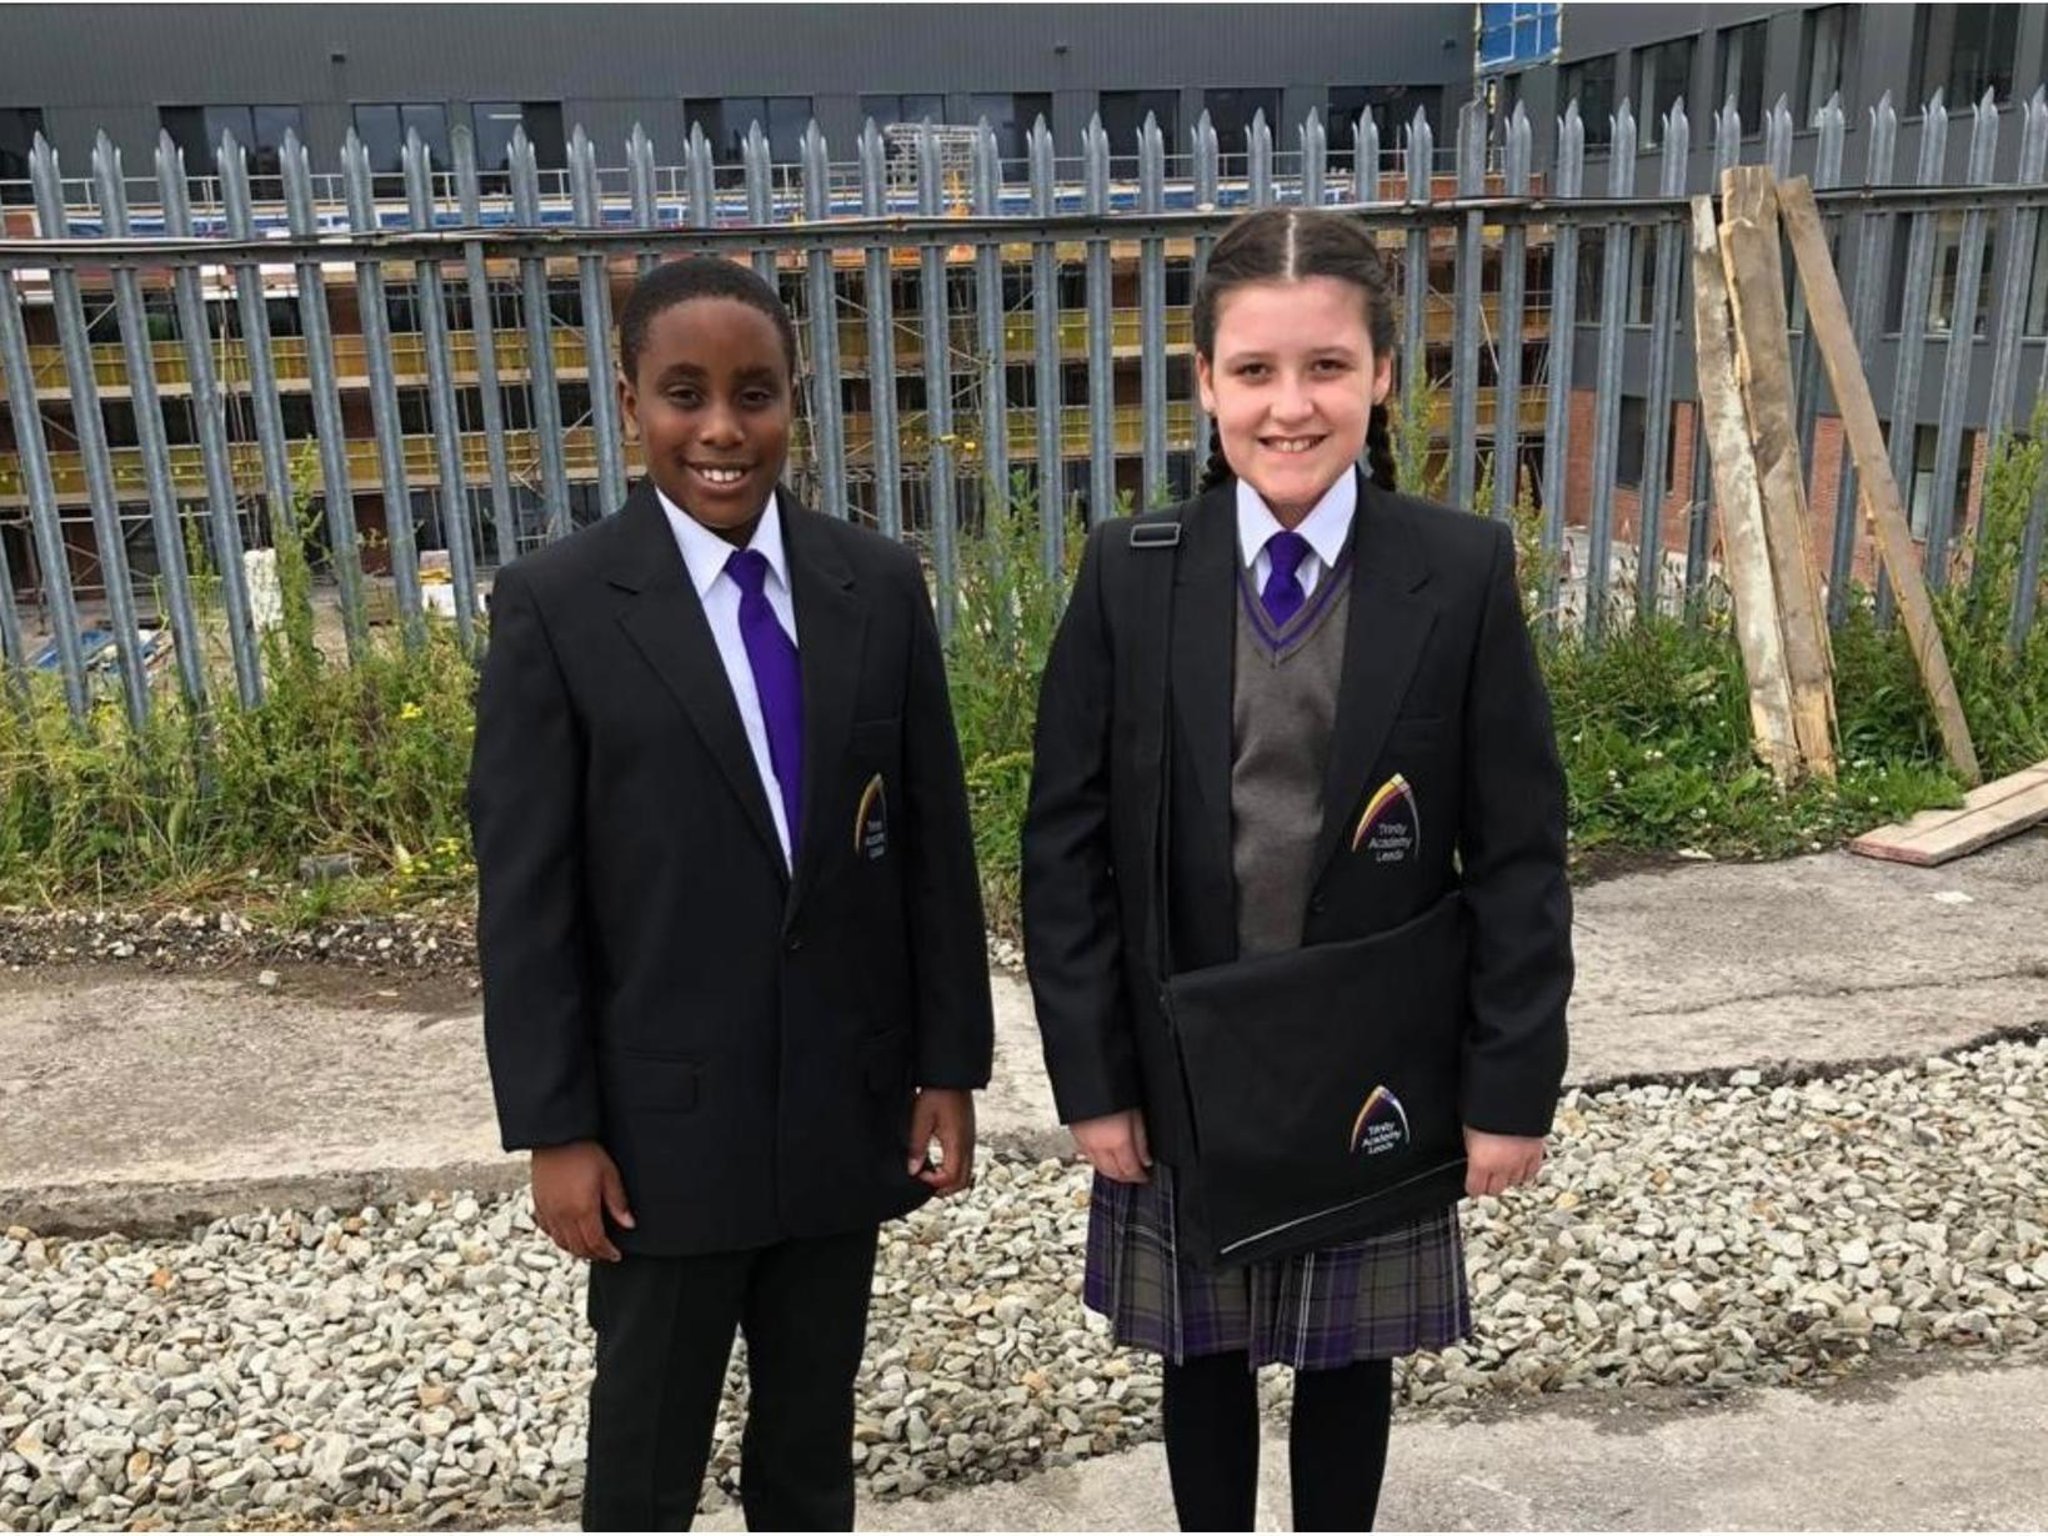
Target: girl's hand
(1494, 1164)
(1116, 1146)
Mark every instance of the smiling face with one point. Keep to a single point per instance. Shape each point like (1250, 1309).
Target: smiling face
(710, 402)
(1291, 386)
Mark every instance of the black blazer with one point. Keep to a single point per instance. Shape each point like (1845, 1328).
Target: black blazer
(1440, 685)
(744, 1043)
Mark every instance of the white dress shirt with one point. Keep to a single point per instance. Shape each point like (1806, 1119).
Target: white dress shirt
(705, 553)
(1326, 527)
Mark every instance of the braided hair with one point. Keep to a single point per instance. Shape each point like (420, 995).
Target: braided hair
(1290, 244)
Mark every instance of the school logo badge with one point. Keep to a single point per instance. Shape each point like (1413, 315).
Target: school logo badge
(1381, 1126)
(871, 822)
(1391, 828)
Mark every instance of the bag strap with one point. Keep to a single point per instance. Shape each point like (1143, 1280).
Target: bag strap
(1156, 583)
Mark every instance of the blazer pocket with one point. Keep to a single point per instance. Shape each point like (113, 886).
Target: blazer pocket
(639, 1080)
(1418, 731)
(877, 737)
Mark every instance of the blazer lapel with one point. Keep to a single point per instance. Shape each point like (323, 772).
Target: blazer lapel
(1384, 636)
(664, 618)
(1203, 662)
(831, 626)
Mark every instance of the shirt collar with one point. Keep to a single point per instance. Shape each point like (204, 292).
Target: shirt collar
(705, 553)
(1326, 527)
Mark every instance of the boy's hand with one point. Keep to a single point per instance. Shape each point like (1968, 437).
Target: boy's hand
(946, 1114)
(1116, 1145)
(1494, 1164)
(573, 1186)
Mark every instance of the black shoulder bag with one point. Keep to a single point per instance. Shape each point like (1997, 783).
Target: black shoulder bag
(1321, 1084)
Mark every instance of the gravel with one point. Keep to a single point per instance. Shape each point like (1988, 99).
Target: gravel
(428, 1363)
(436, 939)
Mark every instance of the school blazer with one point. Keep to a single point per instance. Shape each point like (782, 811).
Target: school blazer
(1440, 686)
(743, 1042)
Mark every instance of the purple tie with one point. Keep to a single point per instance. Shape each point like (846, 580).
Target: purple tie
(1283, 596)
(771, 655)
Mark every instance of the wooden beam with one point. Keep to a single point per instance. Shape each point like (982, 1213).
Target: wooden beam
(1748, 562)
(1879, 492)
(1756, 292)
(1993, 811)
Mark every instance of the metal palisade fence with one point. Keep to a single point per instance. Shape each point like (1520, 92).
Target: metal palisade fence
(352, 342)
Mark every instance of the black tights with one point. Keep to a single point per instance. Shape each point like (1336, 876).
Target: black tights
(1336, 1451)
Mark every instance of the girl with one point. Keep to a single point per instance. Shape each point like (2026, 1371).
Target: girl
(1336, 648)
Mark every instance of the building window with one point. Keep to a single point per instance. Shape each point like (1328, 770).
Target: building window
(1518, 33)
(1742, 73)
(295, 413)
(1920, 510)
(726, 119)
(515, 406)
(1642, 276)
(574, 398)
(1180, 284)
(565, 301)
(402, 307)
(1010, 114)
(18, 129)
(508, 305)
(497, 121)
(1592, 284)
(1231, 113)
(259, 130)
(885, 110)
(1020, 386)
(1392, 109)
(1590, 82)
(1663, 76)
(1628, 447)
(383, 126)
(1942, 291)
(1124, 114)
(2037, 286)
(415, 412)
(1823, 52)
(1966, 50)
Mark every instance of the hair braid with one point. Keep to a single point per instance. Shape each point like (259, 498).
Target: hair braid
(1379, 448)
(1217, 470)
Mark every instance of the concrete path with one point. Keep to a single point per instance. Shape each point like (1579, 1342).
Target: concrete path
(142, 1101)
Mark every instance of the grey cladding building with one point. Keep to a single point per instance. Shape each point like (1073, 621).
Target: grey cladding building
(259, 70)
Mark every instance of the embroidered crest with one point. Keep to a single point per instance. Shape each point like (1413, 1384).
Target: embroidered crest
(1391, 828)
(1381, 1126)
(871, 821)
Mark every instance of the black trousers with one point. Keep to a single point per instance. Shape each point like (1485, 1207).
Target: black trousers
(665, 1328)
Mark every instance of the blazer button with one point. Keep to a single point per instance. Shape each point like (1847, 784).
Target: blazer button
(794, 943)
(1316, 904)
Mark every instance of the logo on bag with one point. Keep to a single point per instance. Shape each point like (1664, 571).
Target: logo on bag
(1381, 1126)
(1391, 828)
(871, 822)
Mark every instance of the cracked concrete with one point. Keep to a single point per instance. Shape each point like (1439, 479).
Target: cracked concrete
(144, 1101)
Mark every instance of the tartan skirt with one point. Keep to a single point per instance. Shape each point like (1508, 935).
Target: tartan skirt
(1389, 1294)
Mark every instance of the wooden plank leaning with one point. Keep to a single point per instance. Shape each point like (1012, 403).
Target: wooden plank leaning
(1829, 318)
(1756, 293)
(1748, 560)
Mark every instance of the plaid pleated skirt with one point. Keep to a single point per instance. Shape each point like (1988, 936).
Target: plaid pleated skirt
(1390, 1294)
